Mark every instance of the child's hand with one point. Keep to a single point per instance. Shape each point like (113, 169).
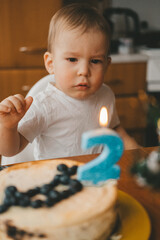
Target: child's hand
(12, 109)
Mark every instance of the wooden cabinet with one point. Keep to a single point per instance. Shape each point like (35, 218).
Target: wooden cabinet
(23, 40)
(126, 78)
(24, 29)
(18, 81)
(128, 82)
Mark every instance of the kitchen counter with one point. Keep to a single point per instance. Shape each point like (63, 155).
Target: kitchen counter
(127, 58)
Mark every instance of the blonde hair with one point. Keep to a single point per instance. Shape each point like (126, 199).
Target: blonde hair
(75, 16)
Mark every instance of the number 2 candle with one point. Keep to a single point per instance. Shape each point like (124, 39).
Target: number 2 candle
(103, 167)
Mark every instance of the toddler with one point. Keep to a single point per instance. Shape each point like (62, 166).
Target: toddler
(78, 45)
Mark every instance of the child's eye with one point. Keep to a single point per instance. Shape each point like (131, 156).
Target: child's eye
(96, 61)
(72, 59)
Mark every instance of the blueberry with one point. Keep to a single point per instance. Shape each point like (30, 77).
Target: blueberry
(2, 167)
(21, 232)
(10, 190)
(65, 194)
(24, 201)
(3, 208)
(50, 202)
(72, 170)
(30, 234)
(19, 194)
(45, 189)
(62, 167)
(57, 178)
(41, 235)
(7, 202)
(54, 182)
(37, 203)
(32, 192)
(54, 195)
(64, 179)
(12, 231)
(11, 201)
(37, 189)
(75, 186)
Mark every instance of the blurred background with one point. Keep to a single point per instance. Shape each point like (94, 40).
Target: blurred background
(134, 74)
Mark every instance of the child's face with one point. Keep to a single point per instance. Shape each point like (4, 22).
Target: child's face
(79, 62)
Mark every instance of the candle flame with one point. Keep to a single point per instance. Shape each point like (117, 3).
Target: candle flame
(103, 117)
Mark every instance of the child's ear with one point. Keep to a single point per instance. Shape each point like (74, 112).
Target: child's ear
(109, 60)
(48, 61)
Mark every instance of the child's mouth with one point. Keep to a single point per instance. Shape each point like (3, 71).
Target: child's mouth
(82, 87)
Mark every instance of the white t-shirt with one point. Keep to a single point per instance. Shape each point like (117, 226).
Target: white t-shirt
(56, 121)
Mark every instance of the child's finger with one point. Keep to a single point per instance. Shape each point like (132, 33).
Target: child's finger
(18, 104)
(6, 102)
(29, 101)
(4, 109)
(21, 98)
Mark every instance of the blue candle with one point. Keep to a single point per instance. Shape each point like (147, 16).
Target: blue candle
(103, 167)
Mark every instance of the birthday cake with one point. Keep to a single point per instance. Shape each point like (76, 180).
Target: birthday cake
(44, 200)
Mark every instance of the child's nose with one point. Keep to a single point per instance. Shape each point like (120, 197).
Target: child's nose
(84, 69)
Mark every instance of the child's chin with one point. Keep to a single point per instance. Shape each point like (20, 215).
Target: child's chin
(81, 96)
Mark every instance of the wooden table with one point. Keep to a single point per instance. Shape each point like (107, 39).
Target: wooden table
(150, 199)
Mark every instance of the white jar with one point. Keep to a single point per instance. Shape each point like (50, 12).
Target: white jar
(125, 46)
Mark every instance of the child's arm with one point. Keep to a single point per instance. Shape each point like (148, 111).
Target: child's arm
(129, 142)
(12, 109)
